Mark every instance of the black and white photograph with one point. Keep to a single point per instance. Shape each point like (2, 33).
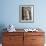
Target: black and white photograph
(26, 13)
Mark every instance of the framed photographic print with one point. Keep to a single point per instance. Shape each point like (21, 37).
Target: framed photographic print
(26, 13)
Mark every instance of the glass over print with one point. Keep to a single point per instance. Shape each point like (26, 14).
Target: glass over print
(26, 13)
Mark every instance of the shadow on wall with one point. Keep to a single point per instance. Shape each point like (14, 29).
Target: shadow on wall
(2, 26)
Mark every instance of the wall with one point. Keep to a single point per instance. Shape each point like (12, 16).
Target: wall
(10, 13)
